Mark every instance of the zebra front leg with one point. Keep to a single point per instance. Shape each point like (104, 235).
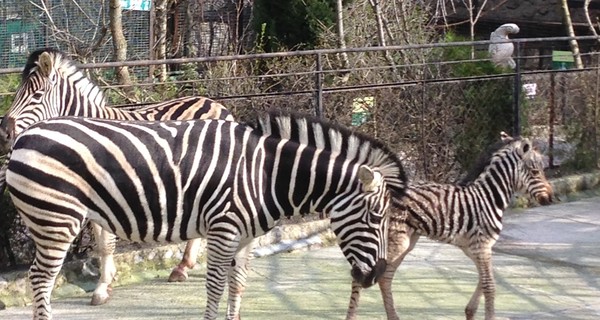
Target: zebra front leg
(486, 285)
(237, 280)
(354, 298)
(190, 256)
(105, 249)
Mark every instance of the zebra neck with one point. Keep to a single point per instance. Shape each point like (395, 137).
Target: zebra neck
(308, 181)
(496, 185)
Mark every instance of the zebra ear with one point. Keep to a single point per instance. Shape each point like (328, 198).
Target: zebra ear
(369, 178)
(45, 64)
(526, 146)
(504, 137)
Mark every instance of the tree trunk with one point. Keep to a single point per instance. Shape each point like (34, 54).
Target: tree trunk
(160, 7)
(341, 39)
(571, 33)
(381, 29)
(119, 41)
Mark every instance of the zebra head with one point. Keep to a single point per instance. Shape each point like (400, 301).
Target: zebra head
(353, 177)
(362, 233)
(530, 178)
(48, 82)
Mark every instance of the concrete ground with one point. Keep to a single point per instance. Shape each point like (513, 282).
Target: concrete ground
(547, 266)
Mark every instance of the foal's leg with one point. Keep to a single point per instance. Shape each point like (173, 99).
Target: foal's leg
(486, 285)
(190, 256)
(401, 240)
(105, 249)
(400, 245)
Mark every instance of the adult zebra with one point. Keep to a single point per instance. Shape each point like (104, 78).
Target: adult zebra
(172, 181)
(52, 86)
(468, 215)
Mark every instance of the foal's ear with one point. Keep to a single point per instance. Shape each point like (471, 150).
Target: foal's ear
(526, 146)
(504, 137)
(370, 179)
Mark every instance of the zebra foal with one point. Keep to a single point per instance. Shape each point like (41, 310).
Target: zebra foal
(52, 86)
(468, 215)
(178, 180)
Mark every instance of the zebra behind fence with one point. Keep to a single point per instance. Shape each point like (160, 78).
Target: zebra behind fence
(53, 86)
(174, 181)
(468, 215)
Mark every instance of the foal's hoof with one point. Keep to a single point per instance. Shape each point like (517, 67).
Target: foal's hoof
(178, 275)
(101, 298)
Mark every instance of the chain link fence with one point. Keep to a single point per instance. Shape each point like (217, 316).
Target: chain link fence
(438, 105)
(196, 28)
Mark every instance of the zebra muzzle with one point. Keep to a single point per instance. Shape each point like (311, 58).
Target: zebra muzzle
(368, 279)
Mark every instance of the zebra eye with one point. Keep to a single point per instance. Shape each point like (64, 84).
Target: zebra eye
(535, 172)
(376, 218)
(37, 96)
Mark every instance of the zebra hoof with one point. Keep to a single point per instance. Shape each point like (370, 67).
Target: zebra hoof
(101, 298)
(178, 275)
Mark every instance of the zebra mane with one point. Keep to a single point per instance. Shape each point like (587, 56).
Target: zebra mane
(321, 134)
(485, 160)
(59, 57)
(63, 64)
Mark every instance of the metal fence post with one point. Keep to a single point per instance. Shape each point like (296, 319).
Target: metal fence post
(517, 93)
(319, 85)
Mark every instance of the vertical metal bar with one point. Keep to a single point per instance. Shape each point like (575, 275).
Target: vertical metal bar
(319, 85)
(151, 20)
(424, 140)
(596, 112)
(517, 93)
(551, 120)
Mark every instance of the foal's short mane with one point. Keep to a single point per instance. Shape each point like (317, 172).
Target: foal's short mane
(323, 134)
(484, 160)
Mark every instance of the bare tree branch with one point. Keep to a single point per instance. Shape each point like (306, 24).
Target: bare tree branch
(586, 10)
(571, 33)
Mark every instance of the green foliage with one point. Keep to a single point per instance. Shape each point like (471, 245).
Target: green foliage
(486, 106)
(291, 23)
(8, 85)
(582, 133)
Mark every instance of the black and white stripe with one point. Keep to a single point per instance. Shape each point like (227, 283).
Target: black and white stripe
(227, 182)
(467, 215)
(53, 86)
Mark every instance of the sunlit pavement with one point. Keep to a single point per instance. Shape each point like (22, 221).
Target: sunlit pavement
(547, 266)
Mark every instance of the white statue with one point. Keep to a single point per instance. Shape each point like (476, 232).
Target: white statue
(501, 52)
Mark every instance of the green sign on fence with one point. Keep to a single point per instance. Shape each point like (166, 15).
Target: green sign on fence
(562, 60)
(141, 5)
(361, 110)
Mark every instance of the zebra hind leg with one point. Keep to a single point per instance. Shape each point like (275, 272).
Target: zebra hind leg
(221, 249)
(49, 258)
(237, 280)
(105, 249)
(190, 256)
